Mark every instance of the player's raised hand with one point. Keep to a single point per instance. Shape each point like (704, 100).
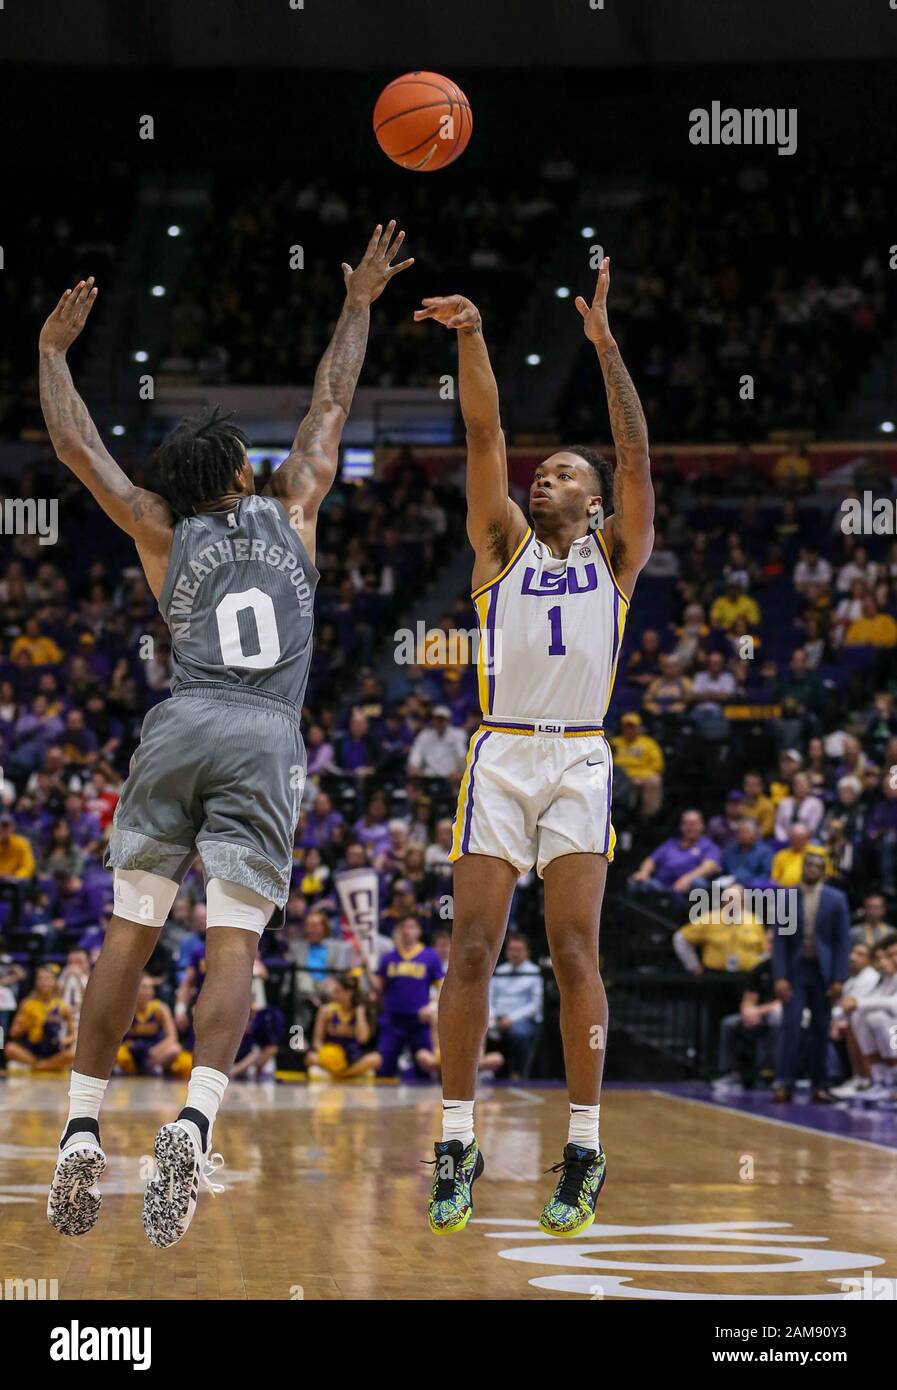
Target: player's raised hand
(69, 317)
(452, 311)
(375, 269)
(594, 315)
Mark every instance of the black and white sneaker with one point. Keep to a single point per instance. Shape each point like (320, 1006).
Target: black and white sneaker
(73, 1206)
(181, 1170)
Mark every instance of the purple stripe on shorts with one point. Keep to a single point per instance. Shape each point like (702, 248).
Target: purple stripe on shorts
(465, 842)
(490, 646)
(610, 788)
(613, 655)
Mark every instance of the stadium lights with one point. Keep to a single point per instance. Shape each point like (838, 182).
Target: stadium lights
(141, 356)
(174, 230)
(118, 429)
(533, 359)
(887, 427)
(587, 231)
(562, 292)
(157, 291)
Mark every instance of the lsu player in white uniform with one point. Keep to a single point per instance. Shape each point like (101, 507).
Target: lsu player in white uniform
(551, 596)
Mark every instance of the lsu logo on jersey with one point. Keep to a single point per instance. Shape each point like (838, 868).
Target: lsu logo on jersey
(567, 581)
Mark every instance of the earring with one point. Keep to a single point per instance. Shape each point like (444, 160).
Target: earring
(596, 518)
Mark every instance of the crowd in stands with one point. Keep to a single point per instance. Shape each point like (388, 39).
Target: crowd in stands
(265, 280)
(758, 738)
(64, 230)
(779, 274)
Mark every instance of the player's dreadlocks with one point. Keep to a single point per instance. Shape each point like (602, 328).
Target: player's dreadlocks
(602, 470)
(197, 463)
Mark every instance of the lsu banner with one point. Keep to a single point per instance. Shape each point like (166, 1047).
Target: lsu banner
(359, 896)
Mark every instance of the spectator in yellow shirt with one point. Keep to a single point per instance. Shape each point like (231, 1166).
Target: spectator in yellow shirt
(756, 804)
(734, 603)
(16, 854)
(41, 1035)
(873, 629)
(788, 864)
(42, 650)
(729, 938)
(793, 469)
(17, 867)
(641, 758)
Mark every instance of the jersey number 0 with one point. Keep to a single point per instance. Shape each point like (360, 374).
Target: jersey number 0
(262, 607)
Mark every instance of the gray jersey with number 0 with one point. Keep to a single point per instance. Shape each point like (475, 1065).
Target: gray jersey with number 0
(238, 599)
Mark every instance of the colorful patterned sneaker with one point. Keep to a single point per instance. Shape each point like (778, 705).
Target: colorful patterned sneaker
(73, 1207)
(181, 1169)
(570, 1209)
(457, 1169)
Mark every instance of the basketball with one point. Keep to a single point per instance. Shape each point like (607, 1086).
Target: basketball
(423, 121)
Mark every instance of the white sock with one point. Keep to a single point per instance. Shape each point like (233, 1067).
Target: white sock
(85, 1098)
(205, 1092)
(583, 1131)
(457, 1120)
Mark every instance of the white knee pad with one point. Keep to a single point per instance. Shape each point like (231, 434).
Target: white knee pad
(232, 905)
(143, 898)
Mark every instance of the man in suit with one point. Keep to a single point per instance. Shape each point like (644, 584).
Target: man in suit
(810, 967)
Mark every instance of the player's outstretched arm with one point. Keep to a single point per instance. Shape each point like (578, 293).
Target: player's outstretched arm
(495, 524)
(630, 530)
(143, 515)
(306, 475)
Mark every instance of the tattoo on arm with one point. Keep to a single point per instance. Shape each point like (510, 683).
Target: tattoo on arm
(630, 433)
(77, 443)
(68, 419)
(335, 382)
(627, 419)
(340, 367)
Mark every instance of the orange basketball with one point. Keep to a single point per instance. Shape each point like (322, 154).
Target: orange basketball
(422, 121)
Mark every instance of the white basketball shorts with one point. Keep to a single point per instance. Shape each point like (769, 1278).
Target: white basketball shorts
(532, 792)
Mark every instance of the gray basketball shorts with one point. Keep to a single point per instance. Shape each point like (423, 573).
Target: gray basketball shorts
(219, 772)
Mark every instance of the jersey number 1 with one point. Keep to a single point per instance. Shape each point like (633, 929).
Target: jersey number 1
(262, 607)
(556, 646)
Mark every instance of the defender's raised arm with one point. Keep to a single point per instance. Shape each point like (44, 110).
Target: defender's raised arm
(77, 443)
(495, 524)
(630, 531)
(306, 475)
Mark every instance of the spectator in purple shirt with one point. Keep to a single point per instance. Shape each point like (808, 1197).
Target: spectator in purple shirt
(358, 751)
(320, 823)
(372, 829)
(78, 740)
(319, 752)
(72, 906)
(36, 729)
(84, 825)
(685, 861)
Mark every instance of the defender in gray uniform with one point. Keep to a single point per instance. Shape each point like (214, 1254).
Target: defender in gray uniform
(220, 767)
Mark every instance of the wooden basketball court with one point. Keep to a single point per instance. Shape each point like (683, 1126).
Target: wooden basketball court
(326, 1200)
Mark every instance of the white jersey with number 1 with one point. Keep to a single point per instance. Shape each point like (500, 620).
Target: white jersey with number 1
(539, 774)
(550, 634)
